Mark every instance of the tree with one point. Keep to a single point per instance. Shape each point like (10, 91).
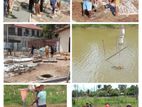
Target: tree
(98, 86)
(101, 93)
(49, 29)
(114, 92)
(88, 92)
(108, 89)
(133, 90)
(122, 89)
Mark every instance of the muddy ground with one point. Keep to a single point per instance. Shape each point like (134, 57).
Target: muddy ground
(100, 15)
(59, 69)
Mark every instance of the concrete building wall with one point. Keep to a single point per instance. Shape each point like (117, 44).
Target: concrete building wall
(64, 40)
(16, 41)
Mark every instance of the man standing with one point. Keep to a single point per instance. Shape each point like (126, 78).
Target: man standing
(31, 5)
(59, 4)
(53, 5)
(37, 8)
(41, 96)
(46, 51)
(9, 8)
(41, 5)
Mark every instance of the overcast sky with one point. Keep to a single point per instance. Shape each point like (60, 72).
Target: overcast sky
(94, 86)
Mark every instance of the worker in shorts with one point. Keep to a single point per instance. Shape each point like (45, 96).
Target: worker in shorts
(41, 5)
(31, 5)
(37, 8)
(87, 6)
(46, 51)
(10, 4)
(53, 5)
(59, 4)
(117, 4)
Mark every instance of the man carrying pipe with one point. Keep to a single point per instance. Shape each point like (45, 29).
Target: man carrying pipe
(41, 96)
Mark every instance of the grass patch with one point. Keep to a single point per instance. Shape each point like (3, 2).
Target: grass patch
(55, 95)
(120, 101)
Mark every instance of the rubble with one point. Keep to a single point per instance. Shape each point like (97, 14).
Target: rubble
(17, 60)
(18, 69)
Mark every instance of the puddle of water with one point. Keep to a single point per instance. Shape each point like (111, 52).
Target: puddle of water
(91, 48)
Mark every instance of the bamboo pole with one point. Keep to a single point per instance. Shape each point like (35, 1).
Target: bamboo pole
(103, 47)
(116, 53)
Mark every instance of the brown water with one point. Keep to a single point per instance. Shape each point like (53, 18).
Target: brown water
(91, 47)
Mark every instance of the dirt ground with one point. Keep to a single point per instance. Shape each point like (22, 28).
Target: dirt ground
(22, 14)
(60, 16)
(59, 69)
(100, 15)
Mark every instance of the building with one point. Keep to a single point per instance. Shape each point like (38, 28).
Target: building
(24, 36)
(60, 40)
(17, 36)
(63, 35)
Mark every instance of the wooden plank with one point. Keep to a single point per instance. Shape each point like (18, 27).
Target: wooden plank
(116, 53)
(55, 79)
(49, 61)
(37, 60)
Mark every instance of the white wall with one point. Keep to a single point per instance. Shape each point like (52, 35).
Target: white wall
(64, 40)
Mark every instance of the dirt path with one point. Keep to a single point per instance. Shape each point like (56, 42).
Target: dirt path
(61, 68)
(100, 15)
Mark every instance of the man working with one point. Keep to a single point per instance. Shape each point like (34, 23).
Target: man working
(31, 5)
(41, 96)
(87, 6)
(53, 5)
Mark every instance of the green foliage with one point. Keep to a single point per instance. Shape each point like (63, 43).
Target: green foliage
(133, 90)
(122, 89)
(100, 101)
(114, 92)
(107, 91)
(55, 94)
(101, 25)
(49, 29)
(106, 94)
(101, 93)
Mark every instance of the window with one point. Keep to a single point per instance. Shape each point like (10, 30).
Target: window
(11, 30)
(26, 32)
(37, 33)
(19, 31)
(33, 32)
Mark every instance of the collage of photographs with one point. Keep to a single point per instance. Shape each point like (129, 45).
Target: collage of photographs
(70, 53)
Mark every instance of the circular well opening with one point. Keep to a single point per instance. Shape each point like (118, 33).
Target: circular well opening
(46, 76)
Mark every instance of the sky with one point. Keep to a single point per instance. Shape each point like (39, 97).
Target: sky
(92, 86)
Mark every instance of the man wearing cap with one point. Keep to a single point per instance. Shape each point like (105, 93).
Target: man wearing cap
(41, 96)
